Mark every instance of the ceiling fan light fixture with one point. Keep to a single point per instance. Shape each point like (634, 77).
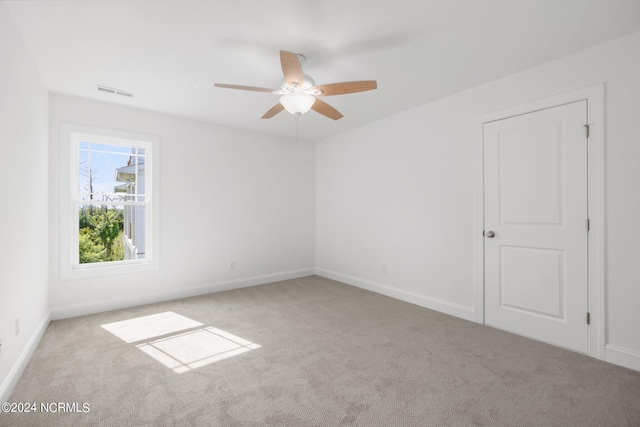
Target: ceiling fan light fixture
(297, 102)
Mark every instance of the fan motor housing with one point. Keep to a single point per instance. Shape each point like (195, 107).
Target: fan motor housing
(307, 84)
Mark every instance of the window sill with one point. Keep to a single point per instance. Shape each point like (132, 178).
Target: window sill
(98, 270)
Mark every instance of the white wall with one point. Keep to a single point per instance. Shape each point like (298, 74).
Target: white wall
(225, 194)
(24, 208)
(400, 191)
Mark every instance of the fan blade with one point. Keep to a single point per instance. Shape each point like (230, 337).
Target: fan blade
(252, 88)
(273, 111)
(345, 87)
(291, 67)
(326, 110)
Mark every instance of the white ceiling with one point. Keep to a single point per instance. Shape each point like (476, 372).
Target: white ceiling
(170, 52)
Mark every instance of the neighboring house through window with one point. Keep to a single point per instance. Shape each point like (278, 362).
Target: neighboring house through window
(133, 189)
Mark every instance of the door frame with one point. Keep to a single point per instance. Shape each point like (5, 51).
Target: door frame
(594, 95)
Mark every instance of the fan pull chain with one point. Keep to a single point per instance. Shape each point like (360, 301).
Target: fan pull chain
(298, 135)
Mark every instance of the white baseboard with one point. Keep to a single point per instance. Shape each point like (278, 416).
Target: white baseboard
(115, 304)
(442, 306)
(7, 386)
(621, 356)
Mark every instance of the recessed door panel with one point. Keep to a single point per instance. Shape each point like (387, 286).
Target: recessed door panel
(532, 280)
(530, 159)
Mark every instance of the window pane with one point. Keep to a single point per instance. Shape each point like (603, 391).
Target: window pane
(110, 233)
(103, 174)
(100, 233)
(110, 176)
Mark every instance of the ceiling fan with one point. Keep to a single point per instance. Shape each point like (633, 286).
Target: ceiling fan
(299, 92)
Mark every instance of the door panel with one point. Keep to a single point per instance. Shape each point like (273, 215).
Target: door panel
(523, 153)
(535, 172)
(532, 279)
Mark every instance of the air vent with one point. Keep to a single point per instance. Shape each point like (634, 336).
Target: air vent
(114, 91)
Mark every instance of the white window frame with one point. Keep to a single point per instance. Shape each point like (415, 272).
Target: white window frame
(70, 138)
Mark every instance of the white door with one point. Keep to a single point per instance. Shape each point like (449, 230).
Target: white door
(535, 187)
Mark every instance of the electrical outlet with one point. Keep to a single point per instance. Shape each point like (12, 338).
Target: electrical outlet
(383, 269)
(232, 265)
(17, 326)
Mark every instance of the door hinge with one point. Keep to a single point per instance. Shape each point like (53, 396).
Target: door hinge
(588, 318)
(586, 131)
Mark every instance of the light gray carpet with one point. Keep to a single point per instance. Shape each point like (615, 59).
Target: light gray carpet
(329, 355)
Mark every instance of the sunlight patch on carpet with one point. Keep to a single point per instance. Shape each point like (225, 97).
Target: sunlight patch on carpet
(179, 343)
(194, 349)
(147, 327)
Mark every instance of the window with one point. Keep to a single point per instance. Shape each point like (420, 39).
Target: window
(108, 223)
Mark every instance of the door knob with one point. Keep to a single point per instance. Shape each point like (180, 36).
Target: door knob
(490, 234)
